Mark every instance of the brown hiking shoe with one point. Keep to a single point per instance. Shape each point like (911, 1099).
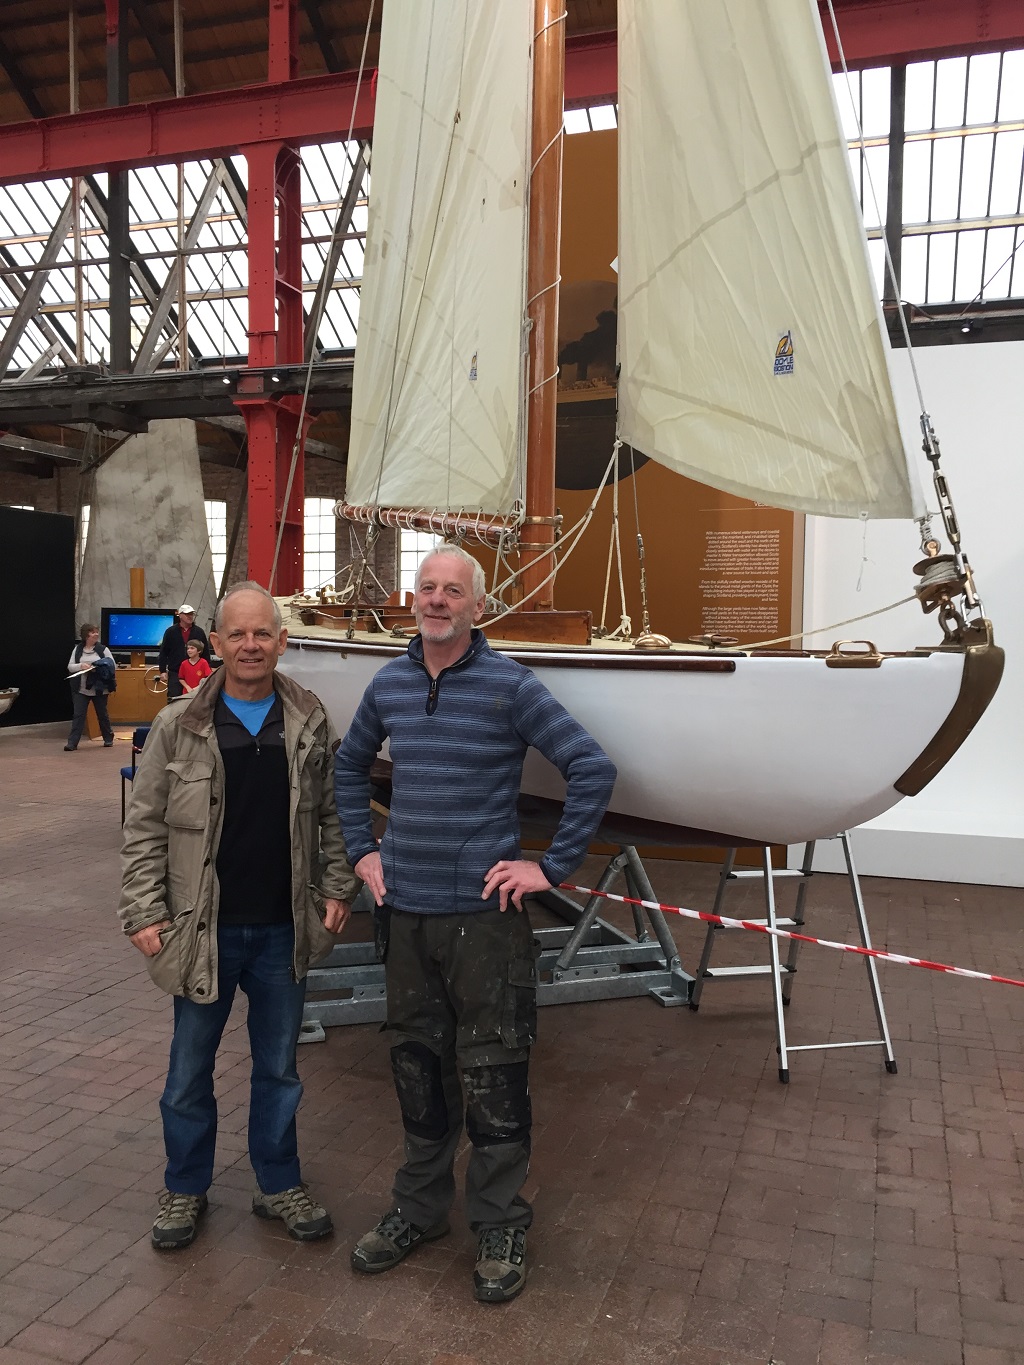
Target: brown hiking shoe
(178, 1220)
(390, 1242)
(500, 1264)
(303, 1217)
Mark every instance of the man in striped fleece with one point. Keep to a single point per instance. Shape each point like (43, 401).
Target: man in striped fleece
(449, 881)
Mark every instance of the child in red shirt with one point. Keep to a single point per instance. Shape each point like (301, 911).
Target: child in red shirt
(195, 668)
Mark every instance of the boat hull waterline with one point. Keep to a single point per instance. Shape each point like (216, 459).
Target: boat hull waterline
(769, 749)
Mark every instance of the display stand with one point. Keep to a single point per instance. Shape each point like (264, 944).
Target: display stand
(584, 958)
(782, 972)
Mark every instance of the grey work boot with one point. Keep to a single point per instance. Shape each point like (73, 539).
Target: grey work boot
(390, 1242)
(303, 1217)
(500, 1264)
(178, 1220)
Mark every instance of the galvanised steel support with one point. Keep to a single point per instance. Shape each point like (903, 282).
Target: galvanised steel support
(276, 481)
(117, 196)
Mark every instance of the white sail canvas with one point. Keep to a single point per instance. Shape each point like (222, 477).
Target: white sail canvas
(437, 391)
(750, 338)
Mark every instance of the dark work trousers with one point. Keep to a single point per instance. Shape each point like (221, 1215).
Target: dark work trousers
(81, 705)
(174, 687)
(462, 995)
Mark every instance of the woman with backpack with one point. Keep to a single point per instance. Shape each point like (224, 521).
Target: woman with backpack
(96, 665)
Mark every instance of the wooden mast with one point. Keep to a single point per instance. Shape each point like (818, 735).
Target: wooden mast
(545, 222)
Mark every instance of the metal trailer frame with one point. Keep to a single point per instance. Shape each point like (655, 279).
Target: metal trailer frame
(585, 958)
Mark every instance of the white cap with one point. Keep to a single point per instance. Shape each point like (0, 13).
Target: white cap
(185, 607)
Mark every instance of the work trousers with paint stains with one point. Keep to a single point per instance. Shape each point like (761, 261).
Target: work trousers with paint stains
(462, 997)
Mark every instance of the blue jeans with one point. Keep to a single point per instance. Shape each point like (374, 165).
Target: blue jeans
(257, 957)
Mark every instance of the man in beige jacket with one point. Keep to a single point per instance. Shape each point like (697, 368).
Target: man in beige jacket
(235, 875)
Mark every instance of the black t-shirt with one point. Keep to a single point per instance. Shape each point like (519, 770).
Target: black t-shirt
(254, 861)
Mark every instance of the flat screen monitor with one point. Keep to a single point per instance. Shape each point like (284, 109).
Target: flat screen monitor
(134, 627)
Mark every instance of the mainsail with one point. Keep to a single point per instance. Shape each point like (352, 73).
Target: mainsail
(750, 339)
(437, 392)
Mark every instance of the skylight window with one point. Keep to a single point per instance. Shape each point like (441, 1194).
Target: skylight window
(215, 272)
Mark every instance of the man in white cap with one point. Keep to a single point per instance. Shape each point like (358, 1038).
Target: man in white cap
(173, 651)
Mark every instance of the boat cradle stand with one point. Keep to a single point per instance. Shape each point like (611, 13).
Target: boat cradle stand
(585, 958)
(782, 972)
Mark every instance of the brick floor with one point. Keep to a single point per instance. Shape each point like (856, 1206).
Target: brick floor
(688, 1207)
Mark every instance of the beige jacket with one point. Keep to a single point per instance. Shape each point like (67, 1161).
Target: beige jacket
(173, 830)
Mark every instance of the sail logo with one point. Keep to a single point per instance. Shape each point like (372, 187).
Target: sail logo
(784, 354)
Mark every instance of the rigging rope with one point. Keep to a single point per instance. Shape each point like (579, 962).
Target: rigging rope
(625, 626)
(931, 444)
(821, 630)
(889, 264)
(577, 529)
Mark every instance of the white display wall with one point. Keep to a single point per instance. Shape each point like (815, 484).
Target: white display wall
(968, 824)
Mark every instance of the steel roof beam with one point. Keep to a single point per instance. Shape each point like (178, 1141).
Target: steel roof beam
(312, 109)
(163, 53)
(880, 32)
(146, 358)
(311, 8)
(302, 112)
(51, 329)
(344, 222)
(140, 271)
(23, 88)
(29, 301)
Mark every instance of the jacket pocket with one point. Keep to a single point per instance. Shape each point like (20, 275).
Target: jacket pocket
(319, 940)
(188, 796)
(169, 967)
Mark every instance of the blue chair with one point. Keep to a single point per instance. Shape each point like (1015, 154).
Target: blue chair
(128, 772)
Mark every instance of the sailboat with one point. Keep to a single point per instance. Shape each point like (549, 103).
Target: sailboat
(752, 358)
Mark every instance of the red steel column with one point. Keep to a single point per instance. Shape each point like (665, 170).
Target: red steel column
(275, 337)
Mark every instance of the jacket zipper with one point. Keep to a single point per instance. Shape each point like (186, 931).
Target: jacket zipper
(435, 683)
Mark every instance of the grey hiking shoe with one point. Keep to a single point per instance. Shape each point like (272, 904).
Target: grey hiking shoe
(178, 1220)
(302, 1216)
(390, 1242)
(500, 1264)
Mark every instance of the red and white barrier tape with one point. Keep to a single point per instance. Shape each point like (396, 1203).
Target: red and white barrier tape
(801, 938)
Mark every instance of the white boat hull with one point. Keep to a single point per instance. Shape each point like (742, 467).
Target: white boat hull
(777, 750)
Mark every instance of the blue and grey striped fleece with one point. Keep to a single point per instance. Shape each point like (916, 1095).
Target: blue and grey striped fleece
(457, 747)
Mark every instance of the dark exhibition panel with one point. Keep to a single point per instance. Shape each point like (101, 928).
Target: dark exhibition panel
(37, 585)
